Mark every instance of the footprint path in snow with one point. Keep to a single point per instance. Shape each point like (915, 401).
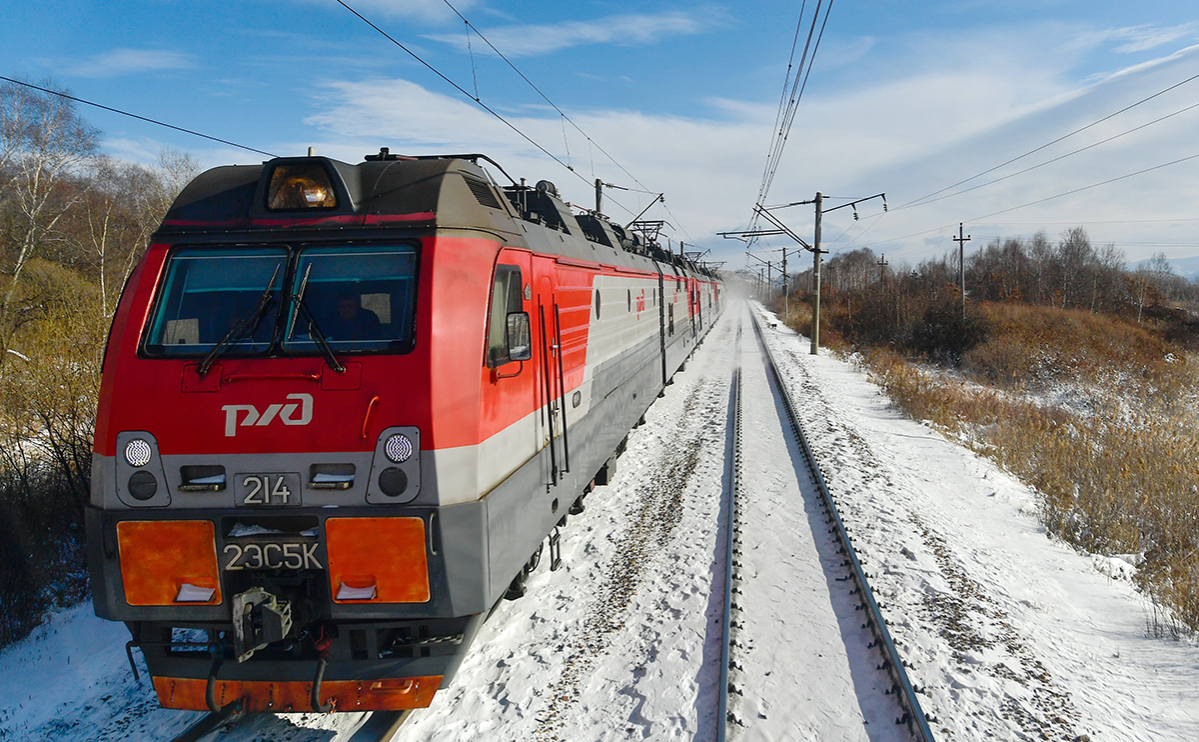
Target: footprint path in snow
(659, 507)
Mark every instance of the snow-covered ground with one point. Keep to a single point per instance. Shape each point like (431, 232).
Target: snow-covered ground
(1010, 634)
(1013, 635)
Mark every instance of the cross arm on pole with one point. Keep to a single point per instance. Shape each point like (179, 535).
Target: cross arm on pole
(750, 233)
(784, 229)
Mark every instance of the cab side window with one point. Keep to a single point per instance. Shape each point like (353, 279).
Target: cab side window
(506, 298)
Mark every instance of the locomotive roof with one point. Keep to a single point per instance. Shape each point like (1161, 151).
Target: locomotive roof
(415, 192)
(385, 190)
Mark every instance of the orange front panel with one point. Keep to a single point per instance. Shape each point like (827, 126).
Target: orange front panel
(387, 553)
(393, 694)
(159, 556)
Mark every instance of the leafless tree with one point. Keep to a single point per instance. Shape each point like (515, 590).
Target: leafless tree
(44, 143)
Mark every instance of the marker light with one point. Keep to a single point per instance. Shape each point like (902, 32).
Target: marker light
(137, 453)
(302, 186)
(398, 448)
(393, 481)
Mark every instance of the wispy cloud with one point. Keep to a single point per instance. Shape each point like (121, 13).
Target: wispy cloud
(844, 51)
(121, 62)
(623, 30)
(1144, 38)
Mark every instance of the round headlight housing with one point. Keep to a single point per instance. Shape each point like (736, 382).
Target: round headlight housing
(398, 448)
(393, 481)
(142, 485)
(138, 453)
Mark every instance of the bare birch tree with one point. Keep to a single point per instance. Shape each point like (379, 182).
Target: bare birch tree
(45, 142)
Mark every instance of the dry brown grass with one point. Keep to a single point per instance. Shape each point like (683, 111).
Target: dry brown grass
(1118, 474)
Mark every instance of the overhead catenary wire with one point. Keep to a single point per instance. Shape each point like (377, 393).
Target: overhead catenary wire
(461, 89)
(797, 85)
(546, 98)
(568, 120)
(782, 107)
(110, 109)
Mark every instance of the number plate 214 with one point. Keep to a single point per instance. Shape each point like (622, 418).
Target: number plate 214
(267, 490)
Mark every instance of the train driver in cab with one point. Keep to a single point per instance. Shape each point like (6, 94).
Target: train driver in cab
(352, 321)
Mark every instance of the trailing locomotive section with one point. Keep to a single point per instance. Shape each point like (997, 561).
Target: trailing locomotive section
(843, 674)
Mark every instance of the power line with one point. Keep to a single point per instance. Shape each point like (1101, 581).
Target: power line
(929, 198)
(462, 90)
(1056, 159)
(1050, 144)
(1050, 198)
(546, 98)
(135, 116)
(1089, 187)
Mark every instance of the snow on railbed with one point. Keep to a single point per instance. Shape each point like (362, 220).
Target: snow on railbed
(1011, 634)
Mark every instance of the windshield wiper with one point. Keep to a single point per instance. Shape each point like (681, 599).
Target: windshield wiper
(297, 306)
(250, 322)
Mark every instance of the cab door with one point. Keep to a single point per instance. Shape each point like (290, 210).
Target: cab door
(510, 386)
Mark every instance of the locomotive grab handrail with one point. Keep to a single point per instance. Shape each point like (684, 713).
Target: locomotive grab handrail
(370, 407)
(561, 393)
(549, 395)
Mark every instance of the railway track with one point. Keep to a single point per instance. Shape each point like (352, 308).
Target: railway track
(380, 726)
(844, 568)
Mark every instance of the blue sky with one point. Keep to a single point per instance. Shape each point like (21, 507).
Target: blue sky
(904, 98)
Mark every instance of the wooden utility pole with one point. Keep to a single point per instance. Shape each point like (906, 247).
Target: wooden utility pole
(882, 267)
(962, 265)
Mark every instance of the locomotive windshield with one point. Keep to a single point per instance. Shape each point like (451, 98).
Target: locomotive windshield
(209, 293)
(234, 301)
(358, 298)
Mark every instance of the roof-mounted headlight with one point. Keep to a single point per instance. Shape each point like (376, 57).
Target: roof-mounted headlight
(300, 186)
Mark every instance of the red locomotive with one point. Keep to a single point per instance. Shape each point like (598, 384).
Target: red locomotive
(343, 407)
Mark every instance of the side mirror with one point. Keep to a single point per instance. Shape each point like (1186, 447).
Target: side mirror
(520, 344)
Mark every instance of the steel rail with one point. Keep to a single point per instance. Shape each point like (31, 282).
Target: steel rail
(913, 716)
(205, 724)
(734, 469)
